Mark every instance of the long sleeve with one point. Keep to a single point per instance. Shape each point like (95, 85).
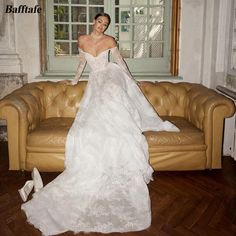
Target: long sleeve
(120, 61)
(80, 68)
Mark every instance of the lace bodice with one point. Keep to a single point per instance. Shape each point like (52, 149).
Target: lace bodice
(98, 62)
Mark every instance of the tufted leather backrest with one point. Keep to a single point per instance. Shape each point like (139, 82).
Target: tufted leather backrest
(58, 99)
(62, 100)
(168, 99)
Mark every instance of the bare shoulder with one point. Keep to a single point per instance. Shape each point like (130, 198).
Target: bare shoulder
(82, 39)
(110, 41)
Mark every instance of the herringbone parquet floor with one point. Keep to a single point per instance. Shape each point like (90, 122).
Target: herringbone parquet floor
(183, 203)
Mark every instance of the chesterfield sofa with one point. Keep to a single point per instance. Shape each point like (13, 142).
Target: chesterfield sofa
(40, 114)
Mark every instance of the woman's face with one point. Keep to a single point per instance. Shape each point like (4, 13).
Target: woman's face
(101, 24)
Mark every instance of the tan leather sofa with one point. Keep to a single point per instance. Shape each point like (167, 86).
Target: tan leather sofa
(40, 114)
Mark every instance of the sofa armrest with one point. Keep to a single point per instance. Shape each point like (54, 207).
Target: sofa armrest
(207, 110)
(23, 110)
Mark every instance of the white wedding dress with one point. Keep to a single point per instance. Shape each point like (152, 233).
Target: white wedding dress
(104, 185)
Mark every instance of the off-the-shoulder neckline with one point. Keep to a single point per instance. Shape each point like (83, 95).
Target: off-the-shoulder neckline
(99, 53)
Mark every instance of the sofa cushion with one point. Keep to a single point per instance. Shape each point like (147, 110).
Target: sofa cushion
(50, 134)
(188, 135)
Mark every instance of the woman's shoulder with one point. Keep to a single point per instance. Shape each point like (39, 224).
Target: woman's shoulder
(82, 39)
(110, 41)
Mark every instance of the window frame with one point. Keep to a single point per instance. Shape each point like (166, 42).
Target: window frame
(174, 48)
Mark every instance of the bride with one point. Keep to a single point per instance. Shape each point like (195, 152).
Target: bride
(104, 185)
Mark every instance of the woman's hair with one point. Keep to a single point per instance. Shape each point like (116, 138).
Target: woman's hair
(103, 14)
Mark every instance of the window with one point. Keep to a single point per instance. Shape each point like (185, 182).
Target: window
(146, 32)
(72, 18)
(139, 28)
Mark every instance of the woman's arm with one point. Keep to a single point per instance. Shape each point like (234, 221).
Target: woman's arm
(120, 61)
(82, 61)
(80, 68)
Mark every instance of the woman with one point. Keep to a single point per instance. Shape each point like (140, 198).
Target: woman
(104, 185)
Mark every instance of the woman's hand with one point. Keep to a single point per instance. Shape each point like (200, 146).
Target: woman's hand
(74, 82)
(144, 83)
(67, 82)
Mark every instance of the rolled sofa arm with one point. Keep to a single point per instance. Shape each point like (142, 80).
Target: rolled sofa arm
(23, 110)
(207, 110)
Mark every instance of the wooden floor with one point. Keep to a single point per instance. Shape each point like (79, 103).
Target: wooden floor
(183, 203)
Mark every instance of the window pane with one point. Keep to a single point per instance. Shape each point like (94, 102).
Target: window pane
(78, 14)
(117, 32)
(61, 48)
(96, 2)
(61, 14)
(157, 2)
(117, 2)
(117, 15)
(125, 50)
(140, 14)
(124, 15)
(156, 49)
(125, 32)
(93, 11)
(156, 32)
(60, 1)
(90, 29)
(78, 30)
(61, 31)
(140, 32)
(123, 2)
(140, 50)
(78, 2)
(157, 15)
(139, 2)
(74, 49)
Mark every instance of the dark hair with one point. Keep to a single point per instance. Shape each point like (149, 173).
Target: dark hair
(103, 14)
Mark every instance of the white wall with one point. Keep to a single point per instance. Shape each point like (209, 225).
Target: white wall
(199, 45)
(191, 39)
(204, 41)
(27, 39)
